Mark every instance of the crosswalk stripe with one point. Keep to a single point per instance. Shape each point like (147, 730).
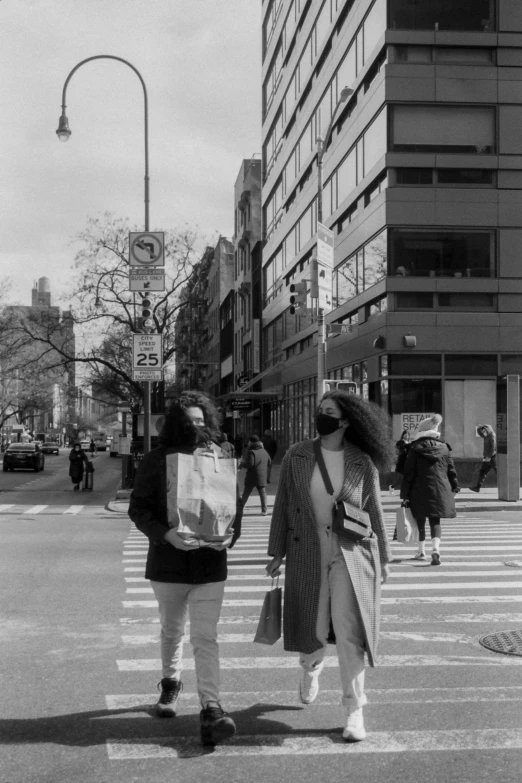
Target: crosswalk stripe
(385, 601)
(327, 698)
(387, 587)
(73, 510)
(430, 573)
(5, 506)
(302, 744)
(237, 602)
(34, 509)
(274, 662)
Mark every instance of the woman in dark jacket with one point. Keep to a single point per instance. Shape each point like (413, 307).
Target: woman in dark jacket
(77, 458)
(257, 464)
(186, 574)
(429, 484)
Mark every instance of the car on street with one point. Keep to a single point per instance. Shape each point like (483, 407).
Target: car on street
(85, 444)
(23, 455)
(50, 448)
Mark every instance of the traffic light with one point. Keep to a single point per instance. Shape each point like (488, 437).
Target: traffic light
(345, 386)
(298, 293)
(146, 314)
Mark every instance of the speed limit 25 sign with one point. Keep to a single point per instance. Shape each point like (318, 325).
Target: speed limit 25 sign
(147, 357)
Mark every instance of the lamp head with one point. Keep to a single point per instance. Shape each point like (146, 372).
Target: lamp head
(63, 131)
(345, 93)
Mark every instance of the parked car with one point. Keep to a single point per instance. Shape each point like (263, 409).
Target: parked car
(85, 444)
(50, 448)
(24, 455)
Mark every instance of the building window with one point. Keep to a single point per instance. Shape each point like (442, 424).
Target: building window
(442, 253)
(362, 270)
(465, 176)
(461, 129)
(412, 300)
(466, 364)
(467, 301)
(442, 15)
(414, 176)
(414, 364)
(415, 396)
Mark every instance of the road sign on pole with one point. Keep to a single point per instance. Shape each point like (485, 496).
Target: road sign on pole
(146, 281)
(325, 264)
(146, 248)
(147, 357)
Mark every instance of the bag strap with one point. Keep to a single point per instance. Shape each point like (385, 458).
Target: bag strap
(322, 467)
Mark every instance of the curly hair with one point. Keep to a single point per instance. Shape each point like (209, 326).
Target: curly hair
(370, 428)
(178, 429)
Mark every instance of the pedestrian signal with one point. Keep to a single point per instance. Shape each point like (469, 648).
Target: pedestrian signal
(298, 293)
(345, 386)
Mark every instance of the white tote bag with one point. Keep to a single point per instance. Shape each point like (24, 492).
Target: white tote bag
(201, 494)
(407, 530)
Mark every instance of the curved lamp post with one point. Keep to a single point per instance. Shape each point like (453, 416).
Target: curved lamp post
(321, 331)
(63, 134)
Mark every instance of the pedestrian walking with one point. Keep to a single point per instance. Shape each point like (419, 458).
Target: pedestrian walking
(402, 446)
(489, 454)
(429, 484)
(92, 447)
(329, 578)
(78, 461)
(257, 464)
(226, 446)
(186, 574)
(238, 445)
(270, 446)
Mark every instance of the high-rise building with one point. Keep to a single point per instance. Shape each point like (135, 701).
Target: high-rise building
(422, 188)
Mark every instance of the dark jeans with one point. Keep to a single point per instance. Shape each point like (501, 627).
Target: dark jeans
(435, 527)
(485, 468)
(262, 494)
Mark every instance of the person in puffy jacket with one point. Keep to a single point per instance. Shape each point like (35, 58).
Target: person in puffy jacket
(489, 455)
(257, 464)
(78, 459)
(429, 484)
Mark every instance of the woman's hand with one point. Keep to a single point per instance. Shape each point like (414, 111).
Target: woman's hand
(187, 544)
(274, 567)
(405, 503)
(385, 573)
(218, 545)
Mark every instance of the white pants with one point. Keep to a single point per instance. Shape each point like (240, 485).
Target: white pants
(204, 608)
(337, 597)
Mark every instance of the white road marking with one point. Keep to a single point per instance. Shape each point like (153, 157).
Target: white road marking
(242, 577)
(327, 698)
(224, 638)
(313, 745)
(237, 602)
(5, 506)
(35, 509)
(395, 619)
(387, 587)
(453, 599)
(273, 662)
(73, 510)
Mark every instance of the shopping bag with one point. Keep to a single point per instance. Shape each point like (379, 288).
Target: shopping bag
(269, 626)
(407, 530)
(201, 494)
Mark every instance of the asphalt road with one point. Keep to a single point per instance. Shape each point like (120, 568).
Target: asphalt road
(79, 657)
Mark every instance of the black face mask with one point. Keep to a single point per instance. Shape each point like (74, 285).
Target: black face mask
(326, 424)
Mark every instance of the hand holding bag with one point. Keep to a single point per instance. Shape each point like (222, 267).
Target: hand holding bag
(269, 626)
(347, 519)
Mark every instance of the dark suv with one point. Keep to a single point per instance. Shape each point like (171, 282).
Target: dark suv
(23, 455)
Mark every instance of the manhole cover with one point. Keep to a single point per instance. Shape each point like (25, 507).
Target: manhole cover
(506, 642)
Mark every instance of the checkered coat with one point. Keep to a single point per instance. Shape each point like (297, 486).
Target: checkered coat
(293, 535)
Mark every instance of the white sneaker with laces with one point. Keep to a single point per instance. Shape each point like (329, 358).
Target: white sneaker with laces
(354, 730)
(420, 556)
(309, 684)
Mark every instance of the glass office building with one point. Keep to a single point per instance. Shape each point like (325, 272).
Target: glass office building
(423, 191)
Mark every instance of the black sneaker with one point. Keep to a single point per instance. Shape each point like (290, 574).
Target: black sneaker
(475, 489)
(170, 690)
(215, 725)
(435, 558)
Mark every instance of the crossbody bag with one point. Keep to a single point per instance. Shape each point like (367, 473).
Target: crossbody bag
(347, 519)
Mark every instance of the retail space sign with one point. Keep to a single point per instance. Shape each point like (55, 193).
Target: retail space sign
(407, 421)
(240, 404)
(146, 281)
(146, 248)
(325, 264)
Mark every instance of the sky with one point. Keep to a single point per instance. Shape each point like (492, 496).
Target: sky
(201, 63)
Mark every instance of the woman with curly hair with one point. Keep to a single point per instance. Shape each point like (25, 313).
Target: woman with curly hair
(186, 575)
(331, 580)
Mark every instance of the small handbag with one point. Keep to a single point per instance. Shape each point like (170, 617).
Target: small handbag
(347, 519)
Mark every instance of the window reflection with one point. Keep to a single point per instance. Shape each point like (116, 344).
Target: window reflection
(442, 254)
(442, 15)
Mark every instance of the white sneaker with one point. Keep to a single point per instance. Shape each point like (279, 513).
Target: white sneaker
(420, 556)
(309, 684)
(354, 730)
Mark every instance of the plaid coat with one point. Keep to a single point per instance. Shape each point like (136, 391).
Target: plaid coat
(293, 535)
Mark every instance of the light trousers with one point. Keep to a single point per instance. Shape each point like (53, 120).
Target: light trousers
(203, 603)
(337, 599)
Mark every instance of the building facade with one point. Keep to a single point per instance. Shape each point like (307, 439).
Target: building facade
(422, 189)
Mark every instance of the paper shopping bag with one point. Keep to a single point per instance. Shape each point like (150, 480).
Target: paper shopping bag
(269, 626)
(201, 494)
(414, 538)
(403, 526)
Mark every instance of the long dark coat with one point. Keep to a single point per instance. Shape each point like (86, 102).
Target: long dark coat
(293, 534)
(429, 477)
(256, 461)
(148, 511)
(77, 460)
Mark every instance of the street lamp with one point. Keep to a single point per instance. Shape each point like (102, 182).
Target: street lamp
(63, 134)
(321, 331)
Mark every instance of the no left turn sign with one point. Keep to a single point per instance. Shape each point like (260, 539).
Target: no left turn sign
(146, 248)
